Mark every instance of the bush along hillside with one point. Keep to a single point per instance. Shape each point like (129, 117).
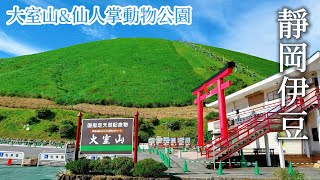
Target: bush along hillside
(58, 124)
(133, 72)
(54, 124)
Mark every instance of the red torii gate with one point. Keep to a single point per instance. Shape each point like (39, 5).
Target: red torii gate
(202, 93)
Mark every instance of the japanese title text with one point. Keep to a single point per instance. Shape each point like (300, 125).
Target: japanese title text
(111, 15)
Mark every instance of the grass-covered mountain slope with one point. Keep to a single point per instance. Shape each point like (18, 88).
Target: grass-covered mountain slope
(136, 72)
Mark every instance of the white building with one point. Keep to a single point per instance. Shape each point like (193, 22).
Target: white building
(263, 97)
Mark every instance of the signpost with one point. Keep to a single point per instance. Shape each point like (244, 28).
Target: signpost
(173, 141)
(152, 142)
(107, 136)
(166, 141)
(181, 141)
(187, 141)
(159, 141)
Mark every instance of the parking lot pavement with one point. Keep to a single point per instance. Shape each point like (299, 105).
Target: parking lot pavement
(32, 152)
(197, 169)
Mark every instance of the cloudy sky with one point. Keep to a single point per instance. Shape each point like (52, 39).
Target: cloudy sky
(246, 26)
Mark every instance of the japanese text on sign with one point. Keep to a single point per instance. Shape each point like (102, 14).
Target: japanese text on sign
(112, 15)
(107, 136)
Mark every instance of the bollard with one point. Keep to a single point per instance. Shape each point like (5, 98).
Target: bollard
(169, 163)
(9, 162)
(220, 169)
(290, 170)
(185, 166)
(179, 154)
(256, 169)
(243, 160)
(165, 160)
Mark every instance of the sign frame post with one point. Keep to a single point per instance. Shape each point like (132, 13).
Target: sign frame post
(135, 143)
(78, 136)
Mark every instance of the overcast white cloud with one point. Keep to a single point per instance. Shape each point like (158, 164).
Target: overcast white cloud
(12, 46)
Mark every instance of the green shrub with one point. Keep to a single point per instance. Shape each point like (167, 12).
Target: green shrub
(66, 121)
(2, 117)
(105, 166)
(67, 130)
(143, 137)
(80, 166)
(175, 125)
(190, 122)
(146, 130)
(52, 128)
(101, 166)
(282, 174)
(149, 168)
(212, 115)
(32, 120)
(155, 121)
(122, 166)
(208, 136)
(44, 113)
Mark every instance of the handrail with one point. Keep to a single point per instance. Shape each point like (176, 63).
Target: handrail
(267, 115)
(282, 109)
(254, 123)
(236, 129)
(275, 104)
(304, 102)
(261, 107)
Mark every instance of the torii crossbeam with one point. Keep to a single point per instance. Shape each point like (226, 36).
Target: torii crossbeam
(203, 93)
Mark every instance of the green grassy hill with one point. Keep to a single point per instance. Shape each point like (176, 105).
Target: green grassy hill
(14, 119)
(127, 72)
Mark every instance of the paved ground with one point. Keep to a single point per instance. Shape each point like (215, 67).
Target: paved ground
(197, 169)
(29, 173)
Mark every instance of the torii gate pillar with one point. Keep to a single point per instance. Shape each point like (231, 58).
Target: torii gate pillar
(203, 93)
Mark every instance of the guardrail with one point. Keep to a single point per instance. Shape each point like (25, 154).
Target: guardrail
(52, 158)
(10, 142)
(14, 155)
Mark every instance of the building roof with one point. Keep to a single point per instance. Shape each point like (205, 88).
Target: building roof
(271, 81)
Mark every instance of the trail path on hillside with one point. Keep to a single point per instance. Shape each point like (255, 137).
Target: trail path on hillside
(187, 112)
